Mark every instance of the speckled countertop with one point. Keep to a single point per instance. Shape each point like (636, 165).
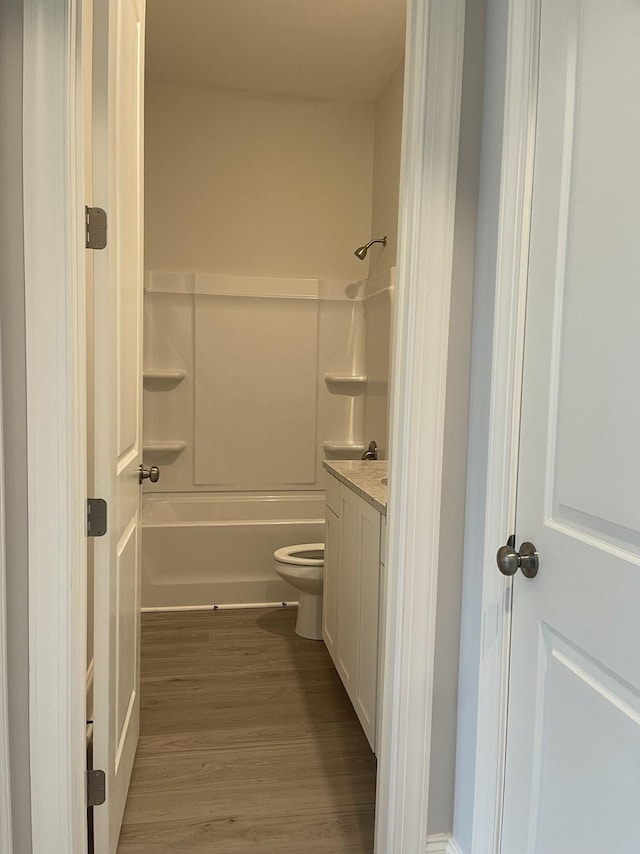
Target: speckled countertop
(364, 477)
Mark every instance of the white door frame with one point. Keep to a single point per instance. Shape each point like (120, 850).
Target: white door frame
(54, 282)
(516, 185)
(6, 836)
(56, 409)
(431, 123)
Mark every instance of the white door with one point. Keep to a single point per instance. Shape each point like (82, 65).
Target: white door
(117, 148)
(573, 745)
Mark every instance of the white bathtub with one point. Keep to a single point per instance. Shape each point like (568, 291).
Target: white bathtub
(218, 549)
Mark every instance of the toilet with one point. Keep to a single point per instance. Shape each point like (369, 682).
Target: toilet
(303, 567)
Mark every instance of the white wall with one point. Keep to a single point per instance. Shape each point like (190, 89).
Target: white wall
(386, 173)
(254, 207)
(270, 188)
(379, 293)
(378, 315)
(259, 185)
(12, 332)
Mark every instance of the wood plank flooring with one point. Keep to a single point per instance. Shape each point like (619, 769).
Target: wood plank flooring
(248, 742)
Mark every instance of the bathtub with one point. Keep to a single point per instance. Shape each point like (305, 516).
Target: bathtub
(207, 550)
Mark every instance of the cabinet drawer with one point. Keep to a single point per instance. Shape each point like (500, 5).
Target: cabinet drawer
(332, 487)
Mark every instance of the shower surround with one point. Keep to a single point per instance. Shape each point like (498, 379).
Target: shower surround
(250, 382)
(255, 377)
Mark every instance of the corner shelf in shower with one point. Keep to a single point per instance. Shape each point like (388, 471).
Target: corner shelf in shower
(344, 450)
(162, 380)
(345, 383)
(166, 451)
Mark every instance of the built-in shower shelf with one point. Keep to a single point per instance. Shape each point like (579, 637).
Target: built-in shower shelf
(165, 451)
(344, 450)
(162, 380)
(345, 383)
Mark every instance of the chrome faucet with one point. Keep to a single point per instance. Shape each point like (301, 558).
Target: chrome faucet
(372, 451)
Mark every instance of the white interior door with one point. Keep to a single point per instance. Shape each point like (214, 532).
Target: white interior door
(573, 745)
(118, 182)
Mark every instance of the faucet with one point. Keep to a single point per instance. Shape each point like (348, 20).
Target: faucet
(372, 451)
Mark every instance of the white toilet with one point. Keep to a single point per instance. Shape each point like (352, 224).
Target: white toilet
(303, 567)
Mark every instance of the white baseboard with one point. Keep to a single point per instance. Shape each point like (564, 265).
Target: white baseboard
(437, 843)
(240, 605)
(442, 843)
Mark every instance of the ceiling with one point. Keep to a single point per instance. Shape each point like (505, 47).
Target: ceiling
(337, 49)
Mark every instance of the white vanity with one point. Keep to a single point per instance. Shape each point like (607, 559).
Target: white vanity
(354, 582)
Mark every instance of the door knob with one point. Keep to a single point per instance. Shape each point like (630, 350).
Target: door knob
(510, 561)
(152, 473)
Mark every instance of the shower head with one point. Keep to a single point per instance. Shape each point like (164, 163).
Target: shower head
(361, 251)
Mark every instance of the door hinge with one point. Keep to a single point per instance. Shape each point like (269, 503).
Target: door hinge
(96, 788)
(95, 228)
(96, 517)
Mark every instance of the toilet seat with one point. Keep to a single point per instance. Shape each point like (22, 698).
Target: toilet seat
(306, 554)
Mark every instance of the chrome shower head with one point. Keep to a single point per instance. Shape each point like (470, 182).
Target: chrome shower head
(361, 251)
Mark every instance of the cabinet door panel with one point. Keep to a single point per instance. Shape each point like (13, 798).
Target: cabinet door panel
(330, 588)
(348, 606)
(332, 492)
(382, 626)
(368, 575)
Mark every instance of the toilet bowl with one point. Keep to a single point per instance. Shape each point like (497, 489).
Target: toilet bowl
(303, 567)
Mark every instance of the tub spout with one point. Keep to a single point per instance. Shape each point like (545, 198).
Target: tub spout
(372, 451)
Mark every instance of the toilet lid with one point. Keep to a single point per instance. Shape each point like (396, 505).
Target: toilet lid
(306, 554)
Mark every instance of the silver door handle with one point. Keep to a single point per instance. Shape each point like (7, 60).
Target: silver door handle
(152, 473)
(510, 561)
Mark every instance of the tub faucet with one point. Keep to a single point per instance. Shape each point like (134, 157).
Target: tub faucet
(372, 451)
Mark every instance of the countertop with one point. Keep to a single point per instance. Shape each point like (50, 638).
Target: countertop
(363, 476)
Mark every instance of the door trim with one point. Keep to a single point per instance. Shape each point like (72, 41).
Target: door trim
(6, 835)
(56, 404)
(431, 124)
(56, 418)
(516, 184)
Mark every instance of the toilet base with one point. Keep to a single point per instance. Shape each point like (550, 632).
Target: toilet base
(309, 622)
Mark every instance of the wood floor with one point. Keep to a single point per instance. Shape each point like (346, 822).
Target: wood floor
(248, 742)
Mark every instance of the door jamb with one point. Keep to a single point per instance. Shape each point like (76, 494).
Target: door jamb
(54, 285)
(430, 134)
(6, 836)
(56, 403)
(516, 186)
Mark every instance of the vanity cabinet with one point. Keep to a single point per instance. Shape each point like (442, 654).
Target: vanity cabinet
(330, 584)
(352, 597)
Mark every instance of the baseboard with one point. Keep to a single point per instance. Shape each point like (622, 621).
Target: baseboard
(235, 607)
(442, 843)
